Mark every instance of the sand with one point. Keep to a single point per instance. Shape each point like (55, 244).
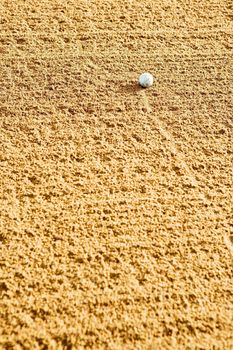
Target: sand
(116, 201)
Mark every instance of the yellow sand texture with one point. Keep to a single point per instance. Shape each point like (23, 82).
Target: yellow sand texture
(116, 201)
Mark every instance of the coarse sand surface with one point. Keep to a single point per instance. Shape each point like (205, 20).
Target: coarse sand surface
(116, 204)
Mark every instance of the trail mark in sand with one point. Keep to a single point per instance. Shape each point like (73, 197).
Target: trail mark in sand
(167, 135)
(229, 243)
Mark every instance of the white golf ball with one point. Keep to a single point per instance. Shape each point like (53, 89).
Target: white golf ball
(146, 80)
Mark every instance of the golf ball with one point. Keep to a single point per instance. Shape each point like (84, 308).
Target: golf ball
(146, 80)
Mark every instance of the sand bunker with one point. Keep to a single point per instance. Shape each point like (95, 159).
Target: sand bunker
(116, 201)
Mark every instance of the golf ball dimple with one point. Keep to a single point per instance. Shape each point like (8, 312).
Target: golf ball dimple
(146, 79)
